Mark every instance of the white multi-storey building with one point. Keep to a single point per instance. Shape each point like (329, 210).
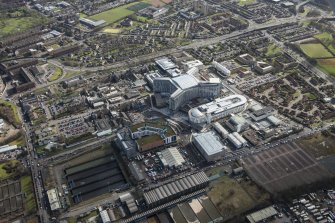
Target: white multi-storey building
(219, 108)
(184, 88)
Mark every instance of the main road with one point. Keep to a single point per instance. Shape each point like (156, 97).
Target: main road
(196, 43)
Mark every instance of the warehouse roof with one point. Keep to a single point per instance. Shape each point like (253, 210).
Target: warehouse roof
(181, 185)
(261, 215)
(53, 199)
(104, 216)
(274, 120)
(172, 157)
(209, 142)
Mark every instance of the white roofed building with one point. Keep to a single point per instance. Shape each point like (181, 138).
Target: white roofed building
(184, 88)
(7, 148)
(165, 64)
(208, 145)
(171, 157)
(222, 69)
(219, 108)
(105, 217)
(193, 64)
(53, 199)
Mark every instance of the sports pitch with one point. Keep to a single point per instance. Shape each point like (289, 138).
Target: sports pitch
(315, 50)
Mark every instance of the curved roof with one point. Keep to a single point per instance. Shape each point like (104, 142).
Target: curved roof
(196, 113)
(186, 81)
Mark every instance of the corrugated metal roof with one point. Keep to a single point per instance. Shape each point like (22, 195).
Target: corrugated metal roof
(262, 214)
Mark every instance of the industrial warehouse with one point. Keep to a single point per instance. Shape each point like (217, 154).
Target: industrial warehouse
(219, 108)
(170, 191)
(209, 145)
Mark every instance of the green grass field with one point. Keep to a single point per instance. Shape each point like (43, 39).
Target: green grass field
(245, 2)
(19, 141)
(3, 173)
(328, 40)
(20, 23)
(56, 74)
(311, 96)
(315, 50)
(115, 14)
(272, 50)
(327, 66)
(9, 111)
(27, 189)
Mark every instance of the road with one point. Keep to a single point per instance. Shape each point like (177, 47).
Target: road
(300, 59)
(36, 178)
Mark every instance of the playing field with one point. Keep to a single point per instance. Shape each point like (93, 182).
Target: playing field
(328, 40)
(327, 66)
(116, 14)
(315, 50)
(11, 25)
(112, 30)
(245, 2)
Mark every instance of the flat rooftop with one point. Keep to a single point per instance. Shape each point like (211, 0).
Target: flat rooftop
(209, 142)
(186, 81)
(165, 63)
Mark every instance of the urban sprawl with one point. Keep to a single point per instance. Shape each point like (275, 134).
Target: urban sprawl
(167, 111)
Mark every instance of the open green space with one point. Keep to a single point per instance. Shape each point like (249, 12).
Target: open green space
(86, 218)
(71, 74)
(183, 42)
(233, 198)
(19, 21)
(272, 50)
(297, 94)
(245, 2)
(148, 139)
(327, 66)
(327, 39)
(306, 11)
(116, 14)
(311, 96)
(20, 141)
(3, 172)
(138, 6)
(319, 145)
(9, 112)
(315, 50)
(27, 189)
(56, 74)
